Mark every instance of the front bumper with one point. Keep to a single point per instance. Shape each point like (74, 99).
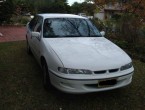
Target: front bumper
(78, 86)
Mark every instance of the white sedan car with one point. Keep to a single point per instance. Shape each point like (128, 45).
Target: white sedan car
(74, 55)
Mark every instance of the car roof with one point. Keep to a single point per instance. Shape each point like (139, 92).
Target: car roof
(61, 16)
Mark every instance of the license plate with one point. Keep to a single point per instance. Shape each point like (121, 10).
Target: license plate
(107, 83)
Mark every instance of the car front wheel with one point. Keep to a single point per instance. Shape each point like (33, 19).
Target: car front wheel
(46, 79)
(28, 48)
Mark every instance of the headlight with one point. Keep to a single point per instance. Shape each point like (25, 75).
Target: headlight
(125, 67)
(74, 71)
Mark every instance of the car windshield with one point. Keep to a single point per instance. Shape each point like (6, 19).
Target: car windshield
(69, 27)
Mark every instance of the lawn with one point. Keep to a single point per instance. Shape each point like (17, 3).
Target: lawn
(21, 87)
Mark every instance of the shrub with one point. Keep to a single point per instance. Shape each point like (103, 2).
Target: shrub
(142, 31)
(6, 11)
(98, 23)
(20, 20)
(121, 43)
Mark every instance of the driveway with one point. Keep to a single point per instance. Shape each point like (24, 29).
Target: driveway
(12, 33)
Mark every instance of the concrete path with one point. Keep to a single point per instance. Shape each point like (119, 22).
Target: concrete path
(12, 33)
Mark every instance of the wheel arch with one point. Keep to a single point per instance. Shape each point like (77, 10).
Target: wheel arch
(42, 60)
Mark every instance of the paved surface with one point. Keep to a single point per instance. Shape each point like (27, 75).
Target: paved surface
(12, 33)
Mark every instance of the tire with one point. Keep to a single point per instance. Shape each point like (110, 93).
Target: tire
(46, 79)
(28, 48)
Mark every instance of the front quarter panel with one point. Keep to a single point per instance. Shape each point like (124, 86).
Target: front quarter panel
(50, 56)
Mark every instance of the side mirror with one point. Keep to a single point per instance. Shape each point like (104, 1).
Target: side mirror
(102, 33)
(36, 34)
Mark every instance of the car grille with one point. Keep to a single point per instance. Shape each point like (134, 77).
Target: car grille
(100, 72)
(113, 70)
(107, 71)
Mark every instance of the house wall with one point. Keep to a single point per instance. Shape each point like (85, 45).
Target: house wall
(99, 15)
(109, 10)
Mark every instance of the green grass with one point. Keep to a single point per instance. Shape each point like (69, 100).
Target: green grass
(21, 87)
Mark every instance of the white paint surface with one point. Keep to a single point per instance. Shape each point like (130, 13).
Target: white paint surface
(88, 53)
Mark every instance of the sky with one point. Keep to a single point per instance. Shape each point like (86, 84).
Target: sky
(72, 1)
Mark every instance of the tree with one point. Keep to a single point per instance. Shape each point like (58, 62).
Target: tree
(59, 6)
(101, 3)
(24, 6)
(76, 8)
(88, 8)
(130, 6)
(84, 7)
(135, 7)
(6, 11)
(130, 21)
(17, 8)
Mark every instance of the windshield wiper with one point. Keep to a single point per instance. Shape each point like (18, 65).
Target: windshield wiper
(76, 28)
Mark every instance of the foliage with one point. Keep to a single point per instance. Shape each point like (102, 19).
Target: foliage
(99, 24)
(6, 11)
(19, 20)
(54, 7)
(76, 8)
(135, 7)
(101, 3)
(88, 8)
(84, 7)
(17, 8)
(121, 43)
(142, 31)
(127, 28)
(11, 8)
